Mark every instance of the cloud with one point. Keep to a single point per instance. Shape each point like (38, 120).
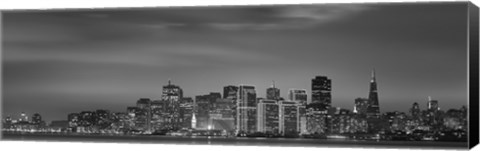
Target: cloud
(294, 17)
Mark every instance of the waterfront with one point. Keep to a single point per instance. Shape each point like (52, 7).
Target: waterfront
(237, 141)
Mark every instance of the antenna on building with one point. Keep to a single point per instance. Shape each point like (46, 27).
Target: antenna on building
(169, 81)
(273, 83)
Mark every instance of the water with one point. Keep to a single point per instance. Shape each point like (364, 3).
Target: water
(242, 141)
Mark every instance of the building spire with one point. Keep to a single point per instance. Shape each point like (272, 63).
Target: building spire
(169, 81)
(373, 75)
(273, 83)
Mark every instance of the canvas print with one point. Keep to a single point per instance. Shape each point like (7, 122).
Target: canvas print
(350, 75)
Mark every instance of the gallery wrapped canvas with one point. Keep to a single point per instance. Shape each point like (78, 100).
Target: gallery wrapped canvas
(395, 75)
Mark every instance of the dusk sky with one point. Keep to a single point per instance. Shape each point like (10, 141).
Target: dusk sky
(65, 61)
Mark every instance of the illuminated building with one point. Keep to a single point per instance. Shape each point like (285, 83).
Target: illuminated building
(246, 109)
(273, 93)
(288, 118)
(361, 105)
(298, 95)
(36, 119)
(230, 92)
(172, 94)
(73, 119)
(268, 116)
(321, 91)
(186, 112)
(144, 118)
(373, 110)
(415, 110)
(222, 116)
(316, 121)
(23, 117)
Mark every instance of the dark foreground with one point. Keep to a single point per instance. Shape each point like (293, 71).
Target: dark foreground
(242, 141)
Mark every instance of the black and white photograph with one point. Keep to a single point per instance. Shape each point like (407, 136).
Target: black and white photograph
(381, 75)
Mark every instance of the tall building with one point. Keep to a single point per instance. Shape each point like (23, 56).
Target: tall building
(267, 116)
(288, 118)
(432, 105)
(144, 104)
(273, 93)
(172, 94)
(230, 92)
(246, 109)
(298, 95)
(36, 118)
(321, 91)
(361, 105)
(415, 110)
(221, 117)
(373, 110)
(23, 117)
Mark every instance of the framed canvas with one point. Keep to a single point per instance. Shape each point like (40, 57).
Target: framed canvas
(358, 75)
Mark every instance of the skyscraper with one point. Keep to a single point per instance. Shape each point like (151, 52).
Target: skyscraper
(321, 90)
(432, 105)
(415, 110)
(373, 110)
(298, 95)
(172, 94)
(246, 109)
(288, 118)
(267, 116)
(273, 93)
(361, 105)
(230, 92)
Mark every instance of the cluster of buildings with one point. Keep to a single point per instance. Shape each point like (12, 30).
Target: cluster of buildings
(240, 112)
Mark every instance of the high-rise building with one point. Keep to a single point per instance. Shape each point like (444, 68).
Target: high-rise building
(172, 94)
(273, 93)
(23, 117)
(361, 105)
(321, 91)
(230, 92)
(36, 118)
(221, 117)
(73, 119)
(373, 110)
(415, 110)
(432, 105)
(267, 116)
(186, 113)
(288, 118)
(298, 95)
(246, 109)
(204, 105)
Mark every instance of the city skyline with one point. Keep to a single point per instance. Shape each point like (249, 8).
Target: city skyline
(107, 59)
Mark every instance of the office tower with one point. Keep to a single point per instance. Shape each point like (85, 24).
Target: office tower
(361, 105)
(186, 112)
(321, 91)
(373, 110)
(268, 116)
(144, 118)
(288, 118)
(230, 92)
(432, 105)
(73, 119)
(415, 110)
(23, 117)
(203, 107)
(186, 100)
(221, 117)
(298, 95)
(273, 93)
(36, 118)
(246, 109)
(86, 118)
(302, 119)
(172, 94)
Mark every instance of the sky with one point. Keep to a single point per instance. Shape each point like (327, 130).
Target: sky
(57, 62)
